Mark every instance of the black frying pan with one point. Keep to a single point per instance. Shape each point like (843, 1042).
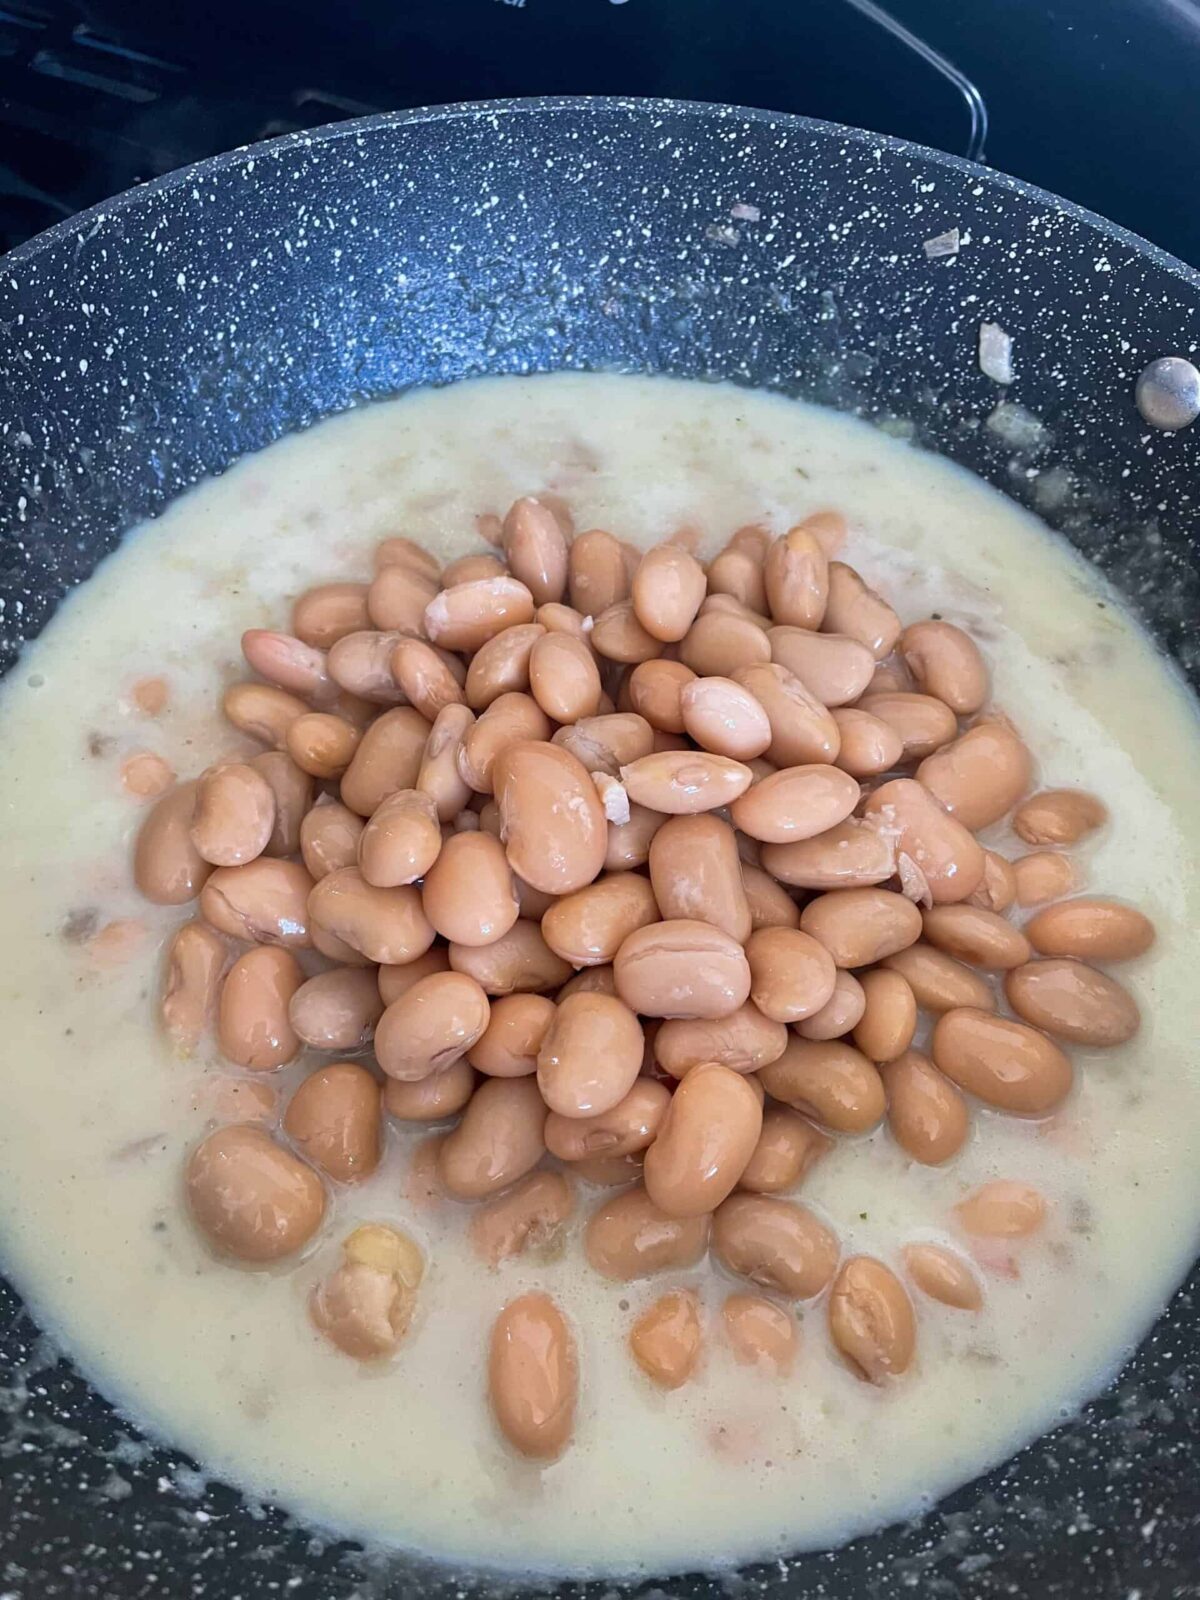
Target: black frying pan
(139, 352)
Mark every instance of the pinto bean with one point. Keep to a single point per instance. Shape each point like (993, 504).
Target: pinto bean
(854, 609)
(665, 1340)
(760, 1333)
(1005, 1064)
(775, 1243)
(1090, 930)
(791, 975)
(536, 550)
(796, 578)
(530, 1217)
(516, 1030)
(196, 959)
(596, 572)
(384, 925)
(853, 854)
(440, 775)
(234, 815)
(1044, 875)
(980, 938)
(927, 1115)
(868, 744)
(591, 1055)
(498, 1140)
(254, 1028)
(617, 635)
(401, 842)
(682, 968)
(861, 926)
(293, 792)
(624, 1129)
(468, 615)
(722, 717)
(564, 678)
(696, 874)
(945, 662)
(655, 691)
(707, 1136)
(948, 858)
(719, 645)
(167, 867)
(521, 962)
(395, 980)
(398, 598)
(322, 744)
(533, 1377)
(943, 1275)
(998, 887)
(1073, 1001)
(744, 1041)
(628, 843)
(554, 826)
(366, 1305)
(289, 664)
(1059, 816)
(501, 665)
(938, 982)
(329, 836)
(738, 572)
(430, 1026)
(889, 1020)
(262, 711)
(796, 803)
(334, 1119)
(802, 729)
(388, 758)
(979, 776)
(337, 1010)
(322, 616)
(469, 895)
(829, 1081)
(770, 905)
(667, 589)
(871, 1321)
(788, 1146)
(1002, 1210)
(264, 902)
(684, 782)
(251, 1198)
(834, 668)
(423, 673)
(607, 743)
(629, 1237)
(362, 664)
(587, 928)
(841, 1012)
(440, 1095)
(923, 723)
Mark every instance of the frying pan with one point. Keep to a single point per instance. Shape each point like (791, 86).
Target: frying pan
(162, 335)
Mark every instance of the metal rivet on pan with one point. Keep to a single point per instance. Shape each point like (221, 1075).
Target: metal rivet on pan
(1168, 393)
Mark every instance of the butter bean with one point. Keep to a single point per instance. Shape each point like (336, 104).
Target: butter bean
(399, 979)
(1090, 930)
(791, 975)
(628, 843)
(555, 830)
(196, 959)
(322, 616)
(167, 867)
(384, 925)
(289, 664)
(868, 744)
(706, 1138)
(861, 926)
(607, 743)
(1044, 875)
(667, 589)
(1073, 1001)
(796, 803)
(322, 744)
(853, 854)
(329, 836)
(719, 645)
(398, 598)
(401, 552)
(760, 1333)
(682, 968)
(502, 664)
(944, 1276)
(1059, 816)
(388, 758)
(440, 772)
(624, 1129)
(1005, 1064)
(533, 1377)
(802, 729)
(628, 1237)
(366, 1305)
(980, 938)
(775, 1243)
(362, 664)
(587, 928)
(871, 1320)
(440, 1095)
(979, 776)
(468, 615)
(854, 609)
(519, 962)
(834, 668)
(617, 635)
(264, 902)
(684, 782)
(401, 842)
(889, 1020)
(425, 677)
(591, 1055)
(251, 1198)
(335, 1121)
(796, 578)
(337, 1010)
(596, 572)
(788, 1147)
(469, 895)
(771, 906)
(498, 1140)
(530, 1217)
(949, 859)
(696, 874)
(536, 550)
(1002, 1210)
(293, 792)
(516, 1030)
(665, 1340)
(938, 982)
(829, 1081)
(841, 1012)
(254, 1029)
(927, 1115)
(998, 887)
(945, 662)
(430, 1026)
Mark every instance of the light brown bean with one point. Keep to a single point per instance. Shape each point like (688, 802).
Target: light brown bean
(167, 867)
(776, 1243)
(521, 962)
(530, 1217)
(608, 1172)
(557, 618)
(655, 689)
(335, 1121)
(771, 906)
(684, 782)
(362, 664)
(430, 1026)
(516, 1030)
(1002, 1209)
(262, 711)
(322, 744)
(861, 926)
(871, 1320)
(533, 1377)
(1073, 1001)
(498, 1140)
(607, 743)
(501, 665)
(234, 815)
(398, 598)
(667, 589)
(596, 572)
(840, 1013)
(980, 938)
(889, 1020)
(981, 775)
(944, 1276)
(264, 902)
(1043, 876)
(854, 854)
(289, 664)
(997, 888)
(587, 928)
(829, 1081)
(791, 975)
(945, 662)
(564, 678)
(254, 1028)
(868, 744)
(478, 564)
(796, 803)
(617, 635)
(948, 858)
(1090, 930)
(628, 1237)
(424, 676)
(591, 1055)
(722, 717)
(293, 792)
(329, 836)
(1003, 1063)
(927, 1114)
(788, 1147)
(624, 1129)
(440, 1095)
(468, 615)
(744, 1042)
(939, 982)
(384, 925)
(702, 1146)
(696, 874)
(337, 1010)
(401, 841)
(738, 572)
(196, 959)
(796, 578)
(628, 843)
(855, 609)
(440, 772)
(555, 830)
(720, 645)
(469, 895)
(395, 980)
(388, 758)
(802, 729)
(1059, 816)
(592, 980)
(682, 968)
(760, 1333)
(398, 551)
(836, 669)
(322, 616)
(665, 1340)
(923, 723)
(251, 1198)
(536, 550)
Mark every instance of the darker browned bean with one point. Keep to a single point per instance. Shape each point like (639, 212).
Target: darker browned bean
(253, 1027)
(655, 690)
(927, 1115)
(335, 1120)
(322, 616)
(829, 1081)
(322, 744)
(1002, 1210)
(788, 1146)
(337, 1010)
(1005, 1064)
(943, 1275)
(938, 982)
(980, 776)
(1091, 930)
(665, 1340)
(264, 902)
(596, 569)
(628, 1237)
(167, 867)
(501, 665)
(889, 1020)
(388, 758)
(776, 1243)
(536, 549)
(329, 836)
(1073, 1001)
(402, 840)
(234, 815)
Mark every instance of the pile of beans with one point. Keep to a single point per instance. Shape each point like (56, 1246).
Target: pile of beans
(621, 866)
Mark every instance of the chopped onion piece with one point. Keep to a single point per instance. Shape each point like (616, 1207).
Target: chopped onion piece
(612, 797)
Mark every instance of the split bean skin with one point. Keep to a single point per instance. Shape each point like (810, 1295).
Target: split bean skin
(998, 887)
(944, 1276)
(829, 1081)
(629, 1237)
(498, 1140)
(1090, 930)
(682, 968)
(709, 1133)
(744, 1041)
(1002, 1209)
(469, 895)
(264, 902)
(196, 958)
(366, 1305)
(591, 1055)
(607, 743)
(431, 1026)
(788, 1147)
(337, 1010)
(432, 1099)
(529, 1217)
(776, 1243)
(250, 1198)
(665, 1340)
(695, 874)
(533, 1377)
(1073, 1001)
(1006, 1064)
(335, 1120)
(948, 857)
(871, 1320)
(927, 1114)
(760, 1333)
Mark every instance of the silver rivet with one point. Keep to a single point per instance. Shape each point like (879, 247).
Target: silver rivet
(1168, 393)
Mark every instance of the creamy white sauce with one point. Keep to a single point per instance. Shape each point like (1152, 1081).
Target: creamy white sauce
(96, 1112)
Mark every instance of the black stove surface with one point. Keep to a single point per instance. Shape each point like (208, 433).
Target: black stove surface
(1094, 99)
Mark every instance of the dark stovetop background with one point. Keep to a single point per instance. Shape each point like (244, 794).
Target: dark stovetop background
(1094, 99)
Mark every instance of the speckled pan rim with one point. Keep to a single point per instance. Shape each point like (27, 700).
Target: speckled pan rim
(697, 110)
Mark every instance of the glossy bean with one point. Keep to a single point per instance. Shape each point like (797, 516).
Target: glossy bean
(401, 841)
(564, 678)
(293, 792)
(289, 664)
(1002, 1209)
(769, 903)
(587, 928)
(861, 926)
(362, 664)
(840, 1013)
(684, 782)
(889, 1020)
(945, 662)
(702, 1146)
(533, 1377)
(829, 1081)
(944, 1276)
(1059, 817)
(607, 743)
(868, 744)
(384, 925)
(498, 1140)
(388, 758)
(927, 1114)
(398, 598)
(322, 616)
(521, 962)
(628, 843)
(591, 1055)
(440, 775)
(923, 723)
(469, 895)
(654, 690)
(167, 867)
(665, 1340)
(254, 1028)
(1073, 1001)
(624, 1129)
(738, 572)
(629, 1237)
(981, 775)
(596, 572)
(322, 744)
(836, 669)
(791, 975)
(997, 889)
(469, 614)
(938, 982)
(335, 1121)
(398, 551)
(502, 664)
(776, 1243)
(1090, 930)
(720, 645)
(1003, 1063)
(425, 677)
(529, 1218)
(947, 856)
(329, 836)
(430, 1026)
(871, 1320)
(788, 1147)
(440, 1095)
(696, 874)
(796, 579)
(399, 979)
(536, 550)
(796, 803)
(744, 1042)
(262, 711)
(760, 1333)
(723, 718)
(195, 961)
(667, 589)
(853, 854)
(251, 1198)
(1043, 876)
(980, 938)
(554, 826)
(802, 729)
(617, 635)
(264, 902)
(682, 968)
(855, 609)
(516, 1030)
(337, 1010)
(234, 815)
